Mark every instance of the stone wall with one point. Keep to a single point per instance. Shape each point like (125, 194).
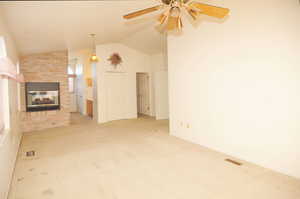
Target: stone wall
(46, 67)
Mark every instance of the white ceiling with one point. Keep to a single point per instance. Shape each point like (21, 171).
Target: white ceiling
(50, 26)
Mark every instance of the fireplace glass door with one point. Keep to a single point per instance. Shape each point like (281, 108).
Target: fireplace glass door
(42, 96)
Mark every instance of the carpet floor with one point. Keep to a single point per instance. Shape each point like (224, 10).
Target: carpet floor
(135, 159)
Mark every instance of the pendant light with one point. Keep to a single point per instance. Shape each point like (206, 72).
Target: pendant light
(94, 57)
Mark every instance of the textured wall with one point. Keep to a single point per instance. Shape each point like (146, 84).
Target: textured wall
(46, 67)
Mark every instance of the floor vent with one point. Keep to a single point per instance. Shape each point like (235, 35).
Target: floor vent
(233, 162)
(30, 153)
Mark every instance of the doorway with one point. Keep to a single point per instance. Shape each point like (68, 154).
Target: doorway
(72, 84)
(143, 94)
(79, 88)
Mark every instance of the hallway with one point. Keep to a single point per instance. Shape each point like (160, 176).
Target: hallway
(134, 159)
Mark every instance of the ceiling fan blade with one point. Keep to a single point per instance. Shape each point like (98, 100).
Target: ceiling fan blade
(209, 10)
(142, 12)
(192, 12)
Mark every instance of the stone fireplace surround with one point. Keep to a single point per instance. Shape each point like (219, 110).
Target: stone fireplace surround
(45, 67)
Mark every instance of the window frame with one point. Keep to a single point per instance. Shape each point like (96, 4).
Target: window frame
(71, 79)
(19, 94)
(5, 109)
(2, 122)
(4, 102)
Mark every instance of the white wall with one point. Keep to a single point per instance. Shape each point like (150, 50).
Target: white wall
(95, 91)
(120, 90)
(160, 85)
(10, 144)
(161, 95)
(125, 80)
(134, 61)
(237, 84)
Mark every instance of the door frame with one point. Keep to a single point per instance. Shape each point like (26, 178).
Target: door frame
(148, 87)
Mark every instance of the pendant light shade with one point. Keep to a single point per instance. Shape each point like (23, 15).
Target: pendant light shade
(93, 57)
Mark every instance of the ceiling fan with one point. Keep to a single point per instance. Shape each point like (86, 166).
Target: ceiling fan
(173, 9)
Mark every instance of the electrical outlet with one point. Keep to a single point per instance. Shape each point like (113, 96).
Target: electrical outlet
(30, 153)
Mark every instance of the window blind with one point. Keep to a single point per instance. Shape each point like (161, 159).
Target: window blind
(1, 107)
(9, 70)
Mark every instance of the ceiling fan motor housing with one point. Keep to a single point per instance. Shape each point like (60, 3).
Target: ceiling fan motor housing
(168, 2)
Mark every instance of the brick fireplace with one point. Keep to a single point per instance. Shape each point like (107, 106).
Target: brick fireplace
(42, 72)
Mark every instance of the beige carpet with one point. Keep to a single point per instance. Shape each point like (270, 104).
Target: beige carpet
(135, 159)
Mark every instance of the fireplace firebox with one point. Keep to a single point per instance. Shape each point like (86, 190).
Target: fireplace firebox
(42, 96)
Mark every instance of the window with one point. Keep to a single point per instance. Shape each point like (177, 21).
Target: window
(70, 70)
(19, 88)
(2, 54)
(71, 84)
(1, 107)
(4, 105)
(71, 79)
(4, 95)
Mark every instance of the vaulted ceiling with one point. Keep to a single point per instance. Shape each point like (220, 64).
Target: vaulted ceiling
(49, 26)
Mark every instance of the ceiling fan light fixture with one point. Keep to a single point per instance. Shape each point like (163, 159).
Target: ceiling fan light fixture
(172, 23)
(179, 23)
(93, 57)
(174, 20)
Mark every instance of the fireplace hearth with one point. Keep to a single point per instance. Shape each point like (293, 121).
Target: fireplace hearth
(42, 96)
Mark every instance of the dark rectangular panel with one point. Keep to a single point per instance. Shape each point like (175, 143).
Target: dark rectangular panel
(42, 86)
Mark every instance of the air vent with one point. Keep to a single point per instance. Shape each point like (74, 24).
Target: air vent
(30, 153)
(234, 162)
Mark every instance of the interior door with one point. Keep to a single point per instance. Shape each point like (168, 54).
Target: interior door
(89, 108)
(143, 97)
